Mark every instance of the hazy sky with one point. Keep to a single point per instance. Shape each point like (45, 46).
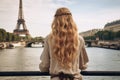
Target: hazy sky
(39, 14)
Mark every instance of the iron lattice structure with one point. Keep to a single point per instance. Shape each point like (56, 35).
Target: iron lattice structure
(21, 22)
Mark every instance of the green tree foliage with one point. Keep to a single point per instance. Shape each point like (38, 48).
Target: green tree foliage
(90, 38)
(9, 37)
(6, 36)
(99, 34)
(2, 35)
(38, 39)
(107, 35)
(104, 35)
(118, 34)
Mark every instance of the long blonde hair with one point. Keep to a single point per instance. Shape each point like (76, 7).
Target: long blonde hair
(65, 36)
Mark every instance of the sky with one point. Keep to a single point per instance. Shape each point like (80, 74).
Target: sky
(39, 14)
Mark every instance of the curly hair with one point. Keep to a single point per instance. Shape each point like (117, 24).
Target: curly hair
(65, 36)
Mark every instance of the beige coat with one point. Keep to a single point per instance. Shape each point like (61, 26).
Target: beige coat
(49, 64)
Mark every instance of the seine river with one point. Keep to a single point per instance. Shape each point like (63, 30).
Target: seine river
(28, 59)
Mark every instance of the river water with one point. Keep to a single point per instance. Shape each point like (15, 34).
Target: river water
(28, 59)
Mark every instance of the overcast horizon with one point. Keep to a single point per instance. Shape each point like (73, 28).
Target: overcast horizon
(38, 14)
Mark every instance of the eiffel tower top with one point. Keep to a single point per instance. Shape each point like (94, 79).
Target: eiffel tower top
(20, 15)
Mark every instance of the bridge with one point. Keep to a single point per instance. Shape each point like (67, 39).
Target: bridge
(30, 43)
(90, 43)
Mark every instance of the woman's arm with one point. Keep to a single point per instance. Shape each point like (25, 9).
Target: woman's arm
(45, 58)
(83, 58)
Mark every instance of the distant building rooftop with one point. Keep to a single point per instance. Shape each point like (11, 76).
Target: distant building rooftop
(112, 23)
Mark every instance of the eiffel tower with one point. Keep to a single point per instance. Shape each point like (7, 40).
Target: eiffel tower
(21, 22)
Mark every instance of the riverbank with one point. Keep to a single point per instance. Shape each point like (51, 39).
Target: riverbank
(105, 44)
(4, 45)
(11, 45)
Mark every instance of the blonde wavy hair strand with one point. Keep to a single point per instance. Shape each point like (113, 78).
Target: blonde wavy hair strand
(65, 35)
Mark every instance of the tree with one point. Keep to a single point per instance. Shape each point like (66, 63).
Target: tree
(111, 35)
(118, 34)
(99, 34)
(3, 35)
(105, 35)
(38, 39)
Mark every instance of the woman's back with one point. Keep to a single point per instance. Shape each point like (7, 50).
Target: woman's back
(64, 49)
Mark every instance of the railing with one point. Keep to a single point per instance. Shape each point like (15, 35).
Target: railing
(38, 73)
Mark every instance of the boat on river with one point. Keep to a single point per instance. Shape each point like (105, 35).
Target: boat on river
(36, 45)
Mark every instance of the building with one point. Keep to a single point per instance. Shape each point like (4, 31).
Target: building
(90, 32)
(113, 26)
